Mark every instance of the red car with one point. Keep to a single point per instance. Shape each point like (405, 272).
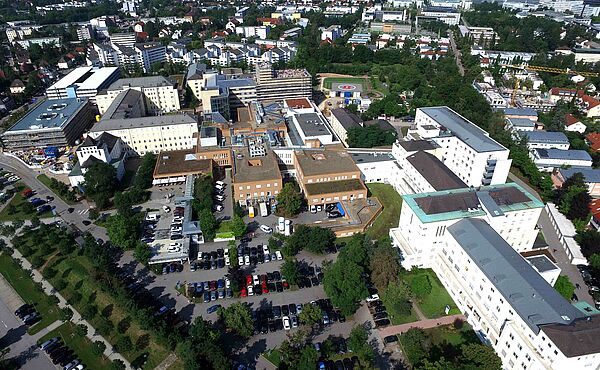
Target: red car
(27, 193)
(248, 279)
(263, 279)
(243, 293)
(265, 290)
(286, 285)
(213, 285)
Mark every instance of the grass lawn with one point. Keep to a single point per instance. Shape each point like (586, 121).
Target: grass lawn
(16, 202)
(46, 181)
(80, 345)
(357, 80)
(449, 334)
(434, 304)
(273, 356)
(391, 201)
(27, 289)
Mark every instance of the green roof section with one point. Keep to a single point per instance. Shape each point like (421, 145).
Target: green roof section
(462, 203)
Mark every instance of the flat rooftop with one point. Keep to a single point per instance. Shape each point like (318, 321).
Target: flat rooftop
(121, 106)
(531, 297)
(151, 81)
(143, 122)
(180, 162)
(248, 169)
(580, 155)
(323, 162)
(541, 263)
(464, 129)
(300, 103)
(49, 115)
(415, 145)
(312, 125)
(545, 137)
(466, 202)
(435, 172)
(331, 187)
(366, 157)
(346, 87)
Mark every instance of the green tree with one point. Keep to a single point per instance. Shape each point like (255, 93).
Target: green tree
(144, 176)
(290, 271)
(81, 330)
(308, 358)
(345, 285)
(289, 200)
(123, 344)
(594, 261)
(396, 296)
(311, 314)
(117, 365)
(372, 135)
(208, 223)
(313, 238)
(573, 198)
(415, 345)
(100, 183)
(65, 314)
(123, 230)
(142, 253)
(420, 286)
(480, 356)
(385, 267)
(238, 226)
(237, 318)
(98, 348)
(564, 286)
(358, 343)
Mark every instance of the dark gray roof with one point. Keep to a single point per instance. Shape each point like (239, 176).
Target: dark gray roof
(581, 155)
(141, 122)
(591, 175)
(520, 112)
(371, 157)
(465, 130)
(195, 71)
(383, 124)
(150, 81)
(312, 125)
(347, 119)
(545, 137)
(435, 172)
(578, 338)
(121, 106)
(414, 145)
(104, 139)
(531, 297)
(541, 263)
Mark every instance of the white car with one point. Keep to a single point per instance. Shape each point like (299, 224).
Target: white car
(286, 323)
(313, 209)
(250, 290)
(227, 261)
(247, 260)
(265, 249)
(167, 209)
(226, 252)
(220, 198)
(373, 298)
(172, 249)
(266, 229)
(279, 256)
(255, 280)
(219, 183)
(227, 283)
(241, 261)
(218, 208)
(14, 178)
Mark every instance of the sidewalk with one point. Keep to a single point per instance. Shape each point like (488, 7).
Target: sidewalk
(423, 324)
(76, 319)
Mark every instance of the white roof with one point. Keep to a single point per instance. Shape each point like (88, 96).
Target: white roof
(71, 78)
(93, 81)
(100, 75)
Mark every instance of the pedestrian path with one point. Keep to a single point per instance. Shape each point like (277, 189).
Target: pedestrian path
(62, 302)
(422, 324)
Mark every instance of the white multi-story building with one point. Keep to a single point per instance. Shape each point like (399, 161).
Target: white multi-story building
(424, 219)
(332, 32)
(85, 32)
(153, 134)
(160, 94)
(510, 305)
(549, 159)
(260, 32)
(545, 140)
(448, 15)
(150, 53)
(374, 166)
(469, 152)
(83, 82)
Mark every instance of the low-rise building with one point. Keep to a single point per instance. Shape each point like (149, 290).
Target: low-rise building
(374, 166)
(52, 123)
(256, 178)
(545, 140)
(328, 176)
(573, 124)
(341, 121)
(591, 176)
(518, 125)
(332, 33)
(549, 159)
(545, 267)
(106, 148)
(425, 218)
(527, 113)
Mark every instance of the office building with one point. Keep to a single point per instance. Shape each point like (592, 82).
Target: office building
(328, 176)
(160, 94)
(424, 219)
(256, 176)
(374, 166)
(57, 123)
(273, 85)
(150, 53)
(341, 121)
(545, 140)
(469, 152)
(83, 82)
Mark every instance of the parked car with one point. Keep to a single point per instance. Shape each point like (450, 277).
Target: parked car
(266, 229)
(286, 323)
(390, 339)
(213, 309)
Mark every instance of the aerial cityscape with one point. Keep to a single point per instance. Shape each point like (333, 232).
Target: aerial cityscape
(312, 185)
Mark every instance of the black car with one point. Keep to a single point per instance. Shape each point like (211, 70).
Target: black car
(301, 283)
(221, 263)
(381, 323)
(58, 353)
(31, 319)
(293, 309)
(276, 312)
(307, 283)
(272, 326)
(348, 365)
(276, 275)
(285, 310)
(390, 339)
(86, 222)
(264, 326)
(24, 308)
(271, 287)
(314, 281)
(23, 313)
(379, 309)
(53, 346)
(279, 324)
(339, 365)
(70, 209)
(279, 287)
(379, 316)
(269, 277)
(246, 239)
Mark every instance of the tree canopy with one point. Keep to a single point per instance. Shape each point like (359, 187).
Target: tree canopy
(289, 200)
(237, 318)
(312, 238)
(564, 286)
(100, 183)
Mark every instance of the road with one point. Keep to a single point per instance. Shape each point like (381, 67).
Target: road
(457, 54)
(29, 176)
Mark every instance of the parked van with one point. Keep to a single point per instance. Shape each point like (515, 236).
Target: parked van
(152, 216)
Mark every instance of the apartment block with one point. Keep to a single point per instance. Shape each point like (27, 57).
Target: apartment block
(469, 152)
(160, 94)
(273, 85)
(424, 219)
(328, 176)
(510, 305)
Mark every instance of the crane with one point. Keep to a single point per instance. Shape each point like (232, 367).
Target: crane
(565, 71)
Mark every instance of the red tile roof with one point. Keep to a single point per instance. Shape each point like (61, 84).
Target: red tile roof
(562, 91)
(594, 140)
(591, 102)
(570, 120)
